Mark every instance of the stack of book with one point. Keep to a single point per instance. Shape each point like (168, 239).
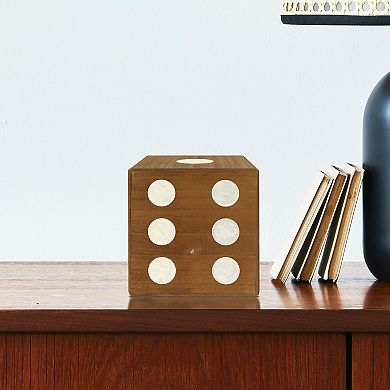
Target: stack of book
(320, 232)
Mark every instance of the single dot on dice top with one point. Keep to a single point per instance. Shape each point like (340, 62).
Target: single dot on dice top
(195, 161)
(162, 270)
(161, 193)
(161, 231)
(225, 270)
(225, 193)
(225, 231)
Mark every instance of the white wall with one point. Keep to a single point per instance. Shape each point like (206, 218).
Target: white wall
(87, 88)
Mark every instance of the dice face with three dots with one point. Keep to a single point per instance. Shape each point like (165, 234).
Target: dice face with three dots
(194, 226)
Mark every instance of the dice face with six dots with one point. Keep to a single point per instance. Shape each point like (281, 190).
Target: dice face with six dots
(194, 226)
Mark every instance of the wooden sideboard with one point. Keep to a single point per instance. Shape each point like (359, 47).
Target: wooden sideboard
(71, 325)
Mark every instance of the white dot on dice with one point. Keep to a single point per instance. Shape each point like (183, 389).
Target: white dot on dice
(161, 193)
(225, 231)
(195, 161)
(225, 193)
(162, 270)
(226, 270)
(161, 231)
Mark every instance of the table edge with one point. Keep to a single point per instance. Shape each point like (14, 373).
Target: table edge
(196, 320)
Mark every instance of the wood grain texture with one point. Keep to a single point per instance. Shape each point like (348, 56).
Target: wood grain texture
(166, 361)
(39, 361)
(285, 361)
(92, 297)
(193, 212)
(3, 361)
(371, 361)
(86, 358)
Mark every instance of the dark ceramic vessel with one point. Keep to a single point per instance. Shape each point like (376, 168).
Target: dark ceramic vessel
(376, 184)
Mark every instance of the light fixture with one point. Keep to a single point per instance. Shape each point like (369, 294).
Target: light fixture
(336, 12)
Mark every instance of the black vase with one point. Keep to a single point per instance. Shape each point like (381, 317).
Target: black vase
(376, 183)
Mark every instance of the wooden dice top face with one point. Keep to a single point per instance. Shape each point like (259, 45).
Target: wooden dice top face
(194, 162)
(207, 242)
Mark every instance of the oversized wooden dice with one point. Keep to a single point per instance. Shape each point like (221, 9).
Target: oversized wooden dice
(194, 226)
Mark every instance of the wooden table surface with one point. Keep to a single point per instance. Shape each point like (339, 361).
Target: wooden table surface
(92, 297)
